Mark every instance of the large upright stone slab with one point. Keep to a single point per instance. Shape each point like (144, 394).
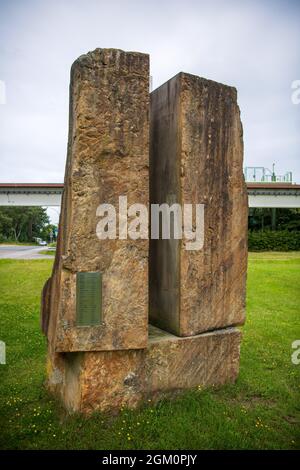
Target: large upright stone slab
(95, 305)
(196, 155)
(108, 153)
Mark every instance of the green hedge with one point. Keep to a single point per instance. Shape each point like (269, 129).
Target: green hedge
(277, 240)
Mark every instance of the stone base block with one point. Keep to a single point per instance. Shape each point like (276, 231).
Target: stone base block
(108, 380)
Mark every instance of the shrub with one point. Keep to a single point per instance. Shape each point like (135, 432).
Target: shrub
(277, 240)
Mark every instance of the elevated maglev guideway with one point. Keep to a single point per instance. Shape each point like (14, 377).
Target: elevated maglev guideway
(284, 195)
(31, 194)
(277, 195)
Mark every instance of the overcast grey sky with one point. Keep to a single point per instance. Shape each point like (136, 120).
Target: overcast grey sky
(253, 45)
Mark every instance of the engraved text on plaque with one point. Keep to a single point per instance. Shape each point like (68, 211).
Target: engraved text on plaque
(88, 298)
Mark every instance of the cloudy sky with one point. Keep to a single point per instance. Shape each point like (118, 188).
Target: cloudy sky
(252, 45)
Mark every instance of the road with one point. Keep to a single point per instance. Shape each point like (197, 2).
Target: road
(22, 252)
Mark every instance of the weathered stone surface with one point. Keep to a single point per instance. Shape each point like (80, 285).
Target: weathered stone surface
(196, 154)
(196, 157)
(108, 156)
(107, 380)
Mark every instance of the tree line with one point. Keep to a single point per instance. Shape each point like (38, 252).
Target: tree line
(24, 224)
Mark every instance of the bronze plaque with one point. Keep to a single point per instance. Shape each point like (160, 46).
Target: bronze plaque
(88, 298)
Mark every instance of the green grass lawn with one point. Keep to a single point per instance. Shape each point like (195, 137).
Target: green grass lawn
(47, 252)
(261, 411)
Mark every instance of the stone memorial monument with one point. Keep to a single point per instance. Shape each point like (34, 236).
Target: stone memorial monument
(115, 337)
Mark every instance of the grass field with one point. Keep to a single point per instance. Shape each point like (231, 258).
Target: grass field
(261, 411)
(47, 252)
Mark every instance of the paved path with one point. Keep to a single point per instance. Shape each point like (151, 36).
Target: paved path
(22, 252)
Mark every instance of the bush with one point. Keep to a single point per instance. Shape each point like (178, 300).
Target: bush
(279, 240)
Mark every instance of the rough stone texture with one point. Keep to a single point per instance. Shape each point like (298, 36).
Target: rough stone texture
(196, 155)
(108, 156)
(110, 379)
